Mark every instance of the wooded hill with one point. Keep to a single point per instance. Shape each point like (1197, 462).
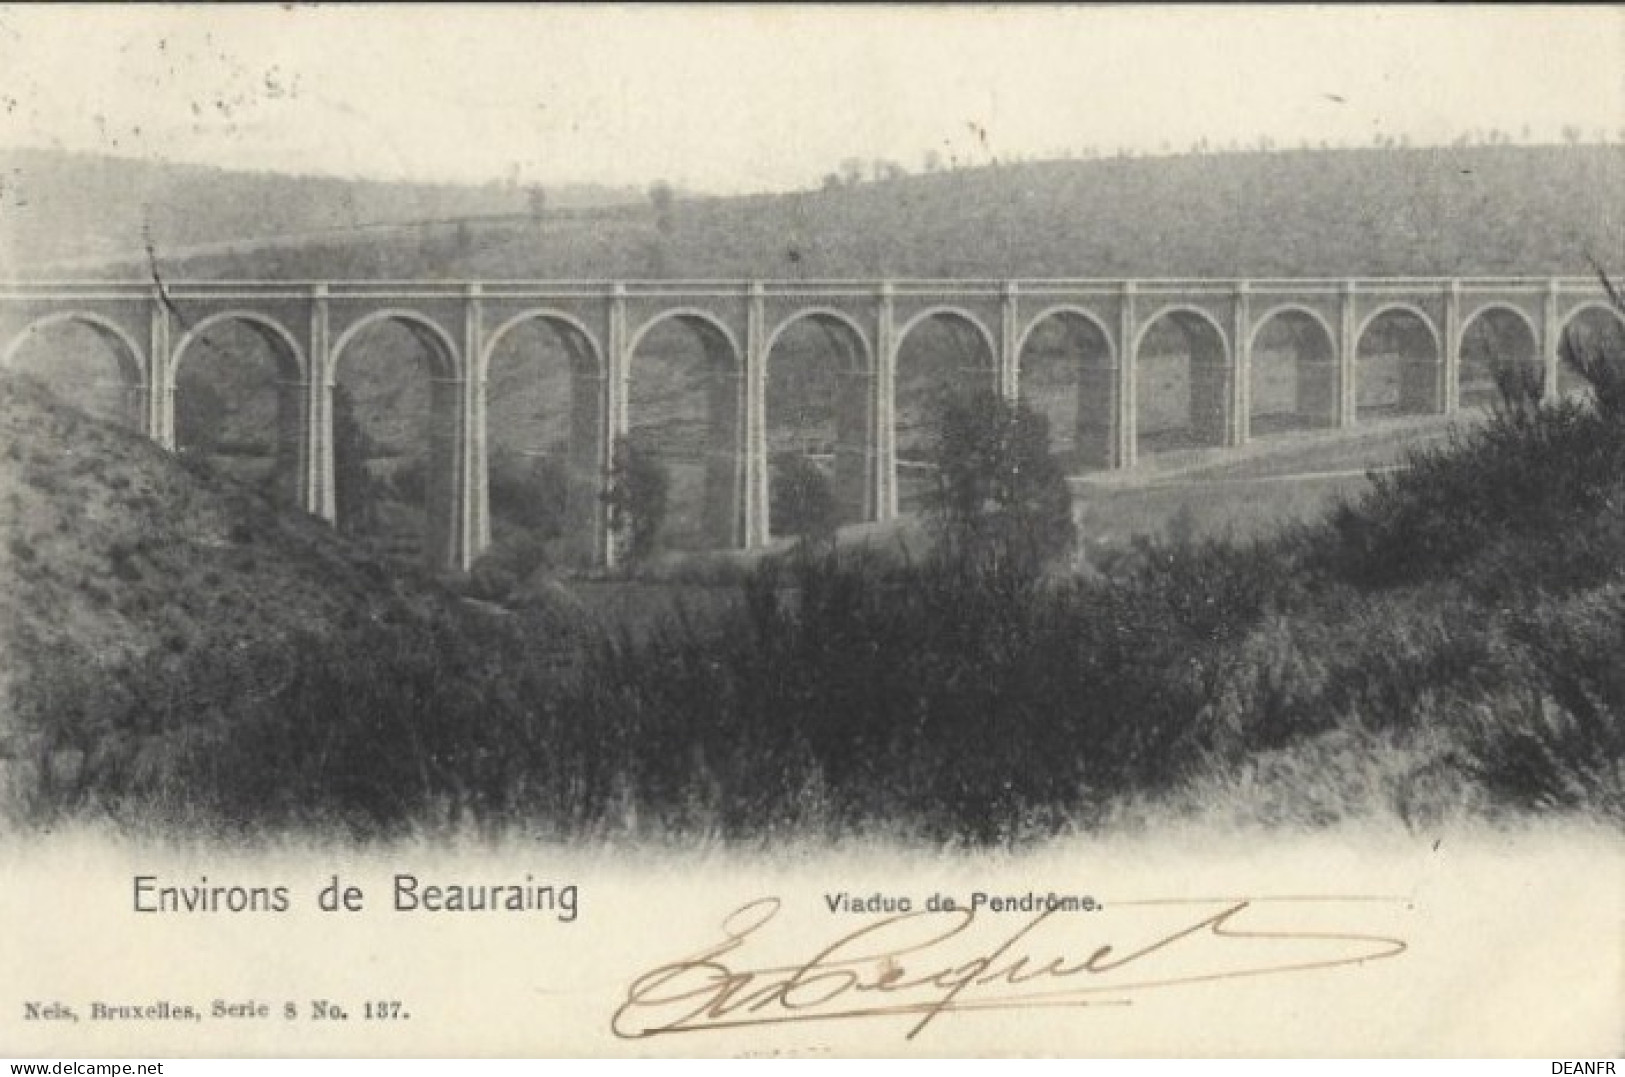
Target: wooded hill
(1482, 210)
(73, 206)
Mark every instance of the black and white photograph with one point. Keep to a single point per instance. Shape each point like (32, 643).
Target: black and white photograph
(812, 530)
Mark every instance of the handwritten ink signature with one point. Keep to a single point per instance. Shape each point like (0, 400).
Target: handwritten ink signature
(925, 964)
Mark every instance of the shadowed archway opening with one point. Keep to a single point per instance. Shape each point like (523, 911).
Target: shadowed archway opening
(395, 427)
(1594, 331)
(820, 424)
(544, 423)
(1396, 367)
(943, 353)
(1182, 383)
(1493, 338)
(685, 410)
(85, 364)
(1293, 375)
(239, 397)
(1069, 375)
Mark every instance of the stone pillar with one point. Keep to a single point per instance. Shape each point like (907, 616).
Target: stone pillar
(620, 363)
(618, 366)
(1348, 359)
(1128, 419)
(1551, 341)
(159, 412)
(1451, 396)
(885, 405)
(1241, 373)
(757, 525)
(475, 461)
(318, 492)
(1009, 358)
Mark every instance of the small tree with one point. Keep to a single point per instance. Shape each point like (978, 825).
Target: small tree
(1001, 500)
(801, 502)
(637, 500)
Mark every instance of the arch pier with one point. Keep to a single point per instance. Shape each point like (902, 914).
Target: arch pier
(840, 371)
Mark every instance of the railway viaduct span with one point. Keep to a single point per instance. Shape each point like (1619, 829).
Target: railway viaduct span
(1333, 326)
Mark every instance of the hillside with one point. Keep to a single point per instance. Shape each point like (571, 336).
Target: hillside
(1481, 210)
(58, 207)
(112, 551)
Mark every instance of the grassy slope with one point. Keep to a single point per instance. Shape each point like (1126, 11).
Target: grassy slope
(73, 209)
(1252, 492)
(110, 546)
(1478, 210)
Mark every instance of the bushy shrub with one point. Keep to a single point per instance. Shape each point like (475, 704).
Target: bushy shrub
(1531, 478)
(510, 562)
(1001, 498)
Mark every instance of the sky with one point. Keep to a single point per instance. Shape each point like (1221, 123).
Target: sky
(743, 98)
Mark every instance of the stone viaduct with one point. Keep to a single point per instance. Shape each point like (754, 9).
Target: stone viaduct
(309, 325)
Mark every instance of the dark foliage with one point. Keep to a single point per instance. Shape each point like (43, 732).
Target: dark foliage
(1001, 502)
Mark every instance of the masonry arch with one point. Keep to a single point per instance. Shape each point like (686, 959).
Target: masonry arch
(1293, 375)
(820, 414)
(1591, 329)
(546, 414)
(438, 349)
(241, 396)
(685, 409)
(940, 351)
(1397, 361)
(395, 392)
(1067, 372)
(1182, 381)
(1493, 336)
(85, 359)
